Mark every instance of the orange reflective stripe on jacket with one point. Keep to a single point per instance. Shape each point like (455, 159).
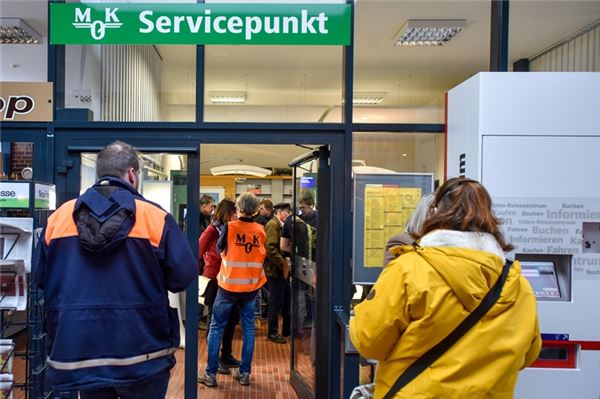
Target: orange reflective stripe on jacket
(242, 265)
(149, 222)
(61, 223)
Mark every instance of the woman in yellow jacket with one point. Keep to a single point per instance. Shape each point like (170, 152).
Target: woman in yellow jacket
(422, 296)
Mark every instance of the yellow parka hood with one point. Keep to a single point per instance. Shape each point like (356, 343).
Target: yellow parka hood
(469, 263)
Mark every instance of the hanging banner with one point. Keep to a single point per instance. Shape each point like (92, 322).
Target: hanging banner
(219, 24)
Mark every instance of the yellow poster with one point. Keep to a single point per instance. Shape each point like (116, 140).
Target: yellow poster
(387, 209)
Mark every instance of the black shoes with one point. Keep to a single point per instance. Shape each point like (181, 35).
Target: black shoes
(278, 339)
(223, 369)
(226, 363)
(230, 361)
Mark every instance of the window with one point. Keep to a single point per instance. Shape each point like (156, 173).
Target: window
(273, 84)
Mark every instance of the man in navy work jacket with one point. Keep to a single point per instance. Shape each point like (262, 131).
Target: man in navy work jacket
(105, 262)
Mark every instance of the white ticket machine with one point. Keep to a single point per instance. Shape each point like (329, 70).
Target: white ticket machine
(533, 140)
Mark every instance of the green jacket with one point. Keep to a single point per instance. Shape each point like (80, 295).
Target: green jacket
(274, 261)
(422, 295)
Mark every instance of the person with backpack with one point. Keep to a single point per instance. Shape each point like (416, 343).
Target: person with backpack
(105, 262)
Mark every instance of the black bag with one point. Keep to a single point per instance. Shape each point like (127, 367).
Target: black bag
(422, 363)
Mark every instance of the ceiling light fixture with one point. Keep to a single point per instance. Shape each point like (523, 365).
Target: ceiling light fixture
(360, 98)
(428, 32)
(240, 169)
(227, 97)
(17, 31)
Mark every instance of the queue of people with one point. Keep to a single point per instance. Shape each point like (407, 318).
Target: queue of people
(107, 259)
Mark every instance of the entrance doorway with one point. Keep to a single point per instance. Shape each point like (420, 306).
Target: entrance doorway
(300, 177)
(172, 177)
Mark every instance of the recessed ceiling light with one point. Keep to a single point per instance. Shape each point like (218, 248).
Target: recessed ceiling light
(404, 154)
(428, 32)
(227, 97)
(17, 31)
(363, 98)
(240, 169)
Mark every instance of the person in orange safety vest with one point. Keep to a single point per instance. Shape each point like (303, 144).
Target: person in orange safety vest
(243, 249)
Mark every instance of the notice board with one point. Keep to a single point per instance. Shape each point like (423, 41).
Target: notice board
(382, 205)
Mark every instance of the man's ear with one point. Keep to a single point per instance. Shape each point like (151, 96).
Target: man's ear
(133, 178)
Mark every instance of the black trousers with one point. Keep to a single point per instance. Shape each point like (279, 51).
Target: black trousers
(279, 301)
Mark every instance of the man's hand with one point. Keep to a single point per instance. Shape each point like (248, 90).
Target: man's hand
(287, 268)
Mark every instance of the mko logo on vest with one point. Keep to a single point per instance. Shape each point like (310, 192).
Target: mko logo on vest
(164, 23)
(240, 241)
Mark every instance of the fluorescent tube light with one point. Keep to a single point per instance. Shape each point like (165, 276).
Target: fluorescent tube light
(359, 98)
(240, 169)
(17, 31)
(227, 97)
(428, 32)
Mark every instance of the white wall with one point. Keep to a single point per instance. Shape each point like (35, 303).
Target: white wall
(83, 77)
(25, 62)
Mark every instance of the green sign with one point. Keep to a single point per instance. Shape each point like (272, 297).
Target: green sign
(44, 196)
(14, 195)
(249, 24)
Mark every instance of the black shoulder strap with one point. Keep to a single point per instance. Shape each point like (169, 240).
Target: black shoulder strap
(434, 353)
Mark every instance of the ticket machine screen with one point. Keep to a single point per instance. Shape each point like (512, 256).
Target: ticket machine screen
(543, 280)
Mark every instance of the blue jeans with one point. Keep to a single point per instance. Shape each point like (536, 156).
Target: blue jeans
(257, 304)
(151, 388)
(224, 302)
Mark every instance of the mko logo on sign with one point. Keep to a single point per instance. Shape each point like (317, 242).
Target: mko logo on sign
(271, 24)
(83, 20)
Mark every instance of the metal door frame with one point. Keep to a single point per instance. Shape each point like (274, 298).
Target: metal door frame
(68, 151)
(71, 142)
(323, 315)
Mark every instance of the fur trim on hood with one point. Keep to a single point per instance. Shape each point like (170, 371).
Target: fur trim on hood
(463, 239)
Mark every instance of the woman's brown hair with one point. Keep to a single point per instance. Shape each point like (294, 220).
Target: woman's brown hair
(225, 208)
(465, 205)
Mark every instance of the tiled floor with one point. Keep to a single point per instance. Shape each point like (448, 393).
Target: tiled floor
(270, 371)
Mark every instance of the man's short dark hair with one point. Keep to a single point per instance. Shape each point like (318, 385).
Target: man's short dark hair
(283, 206)
(307, 196)
(115, 160)
(268, 204)
(206, 200)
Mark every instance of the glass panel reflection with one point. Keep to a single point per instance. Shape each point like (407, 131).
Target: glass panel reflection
(304, 286)
(138, 83)
(273, 84)
(399, 152)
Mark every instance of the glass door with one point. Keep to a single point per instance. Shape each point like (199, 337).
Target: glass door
(310, 266)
